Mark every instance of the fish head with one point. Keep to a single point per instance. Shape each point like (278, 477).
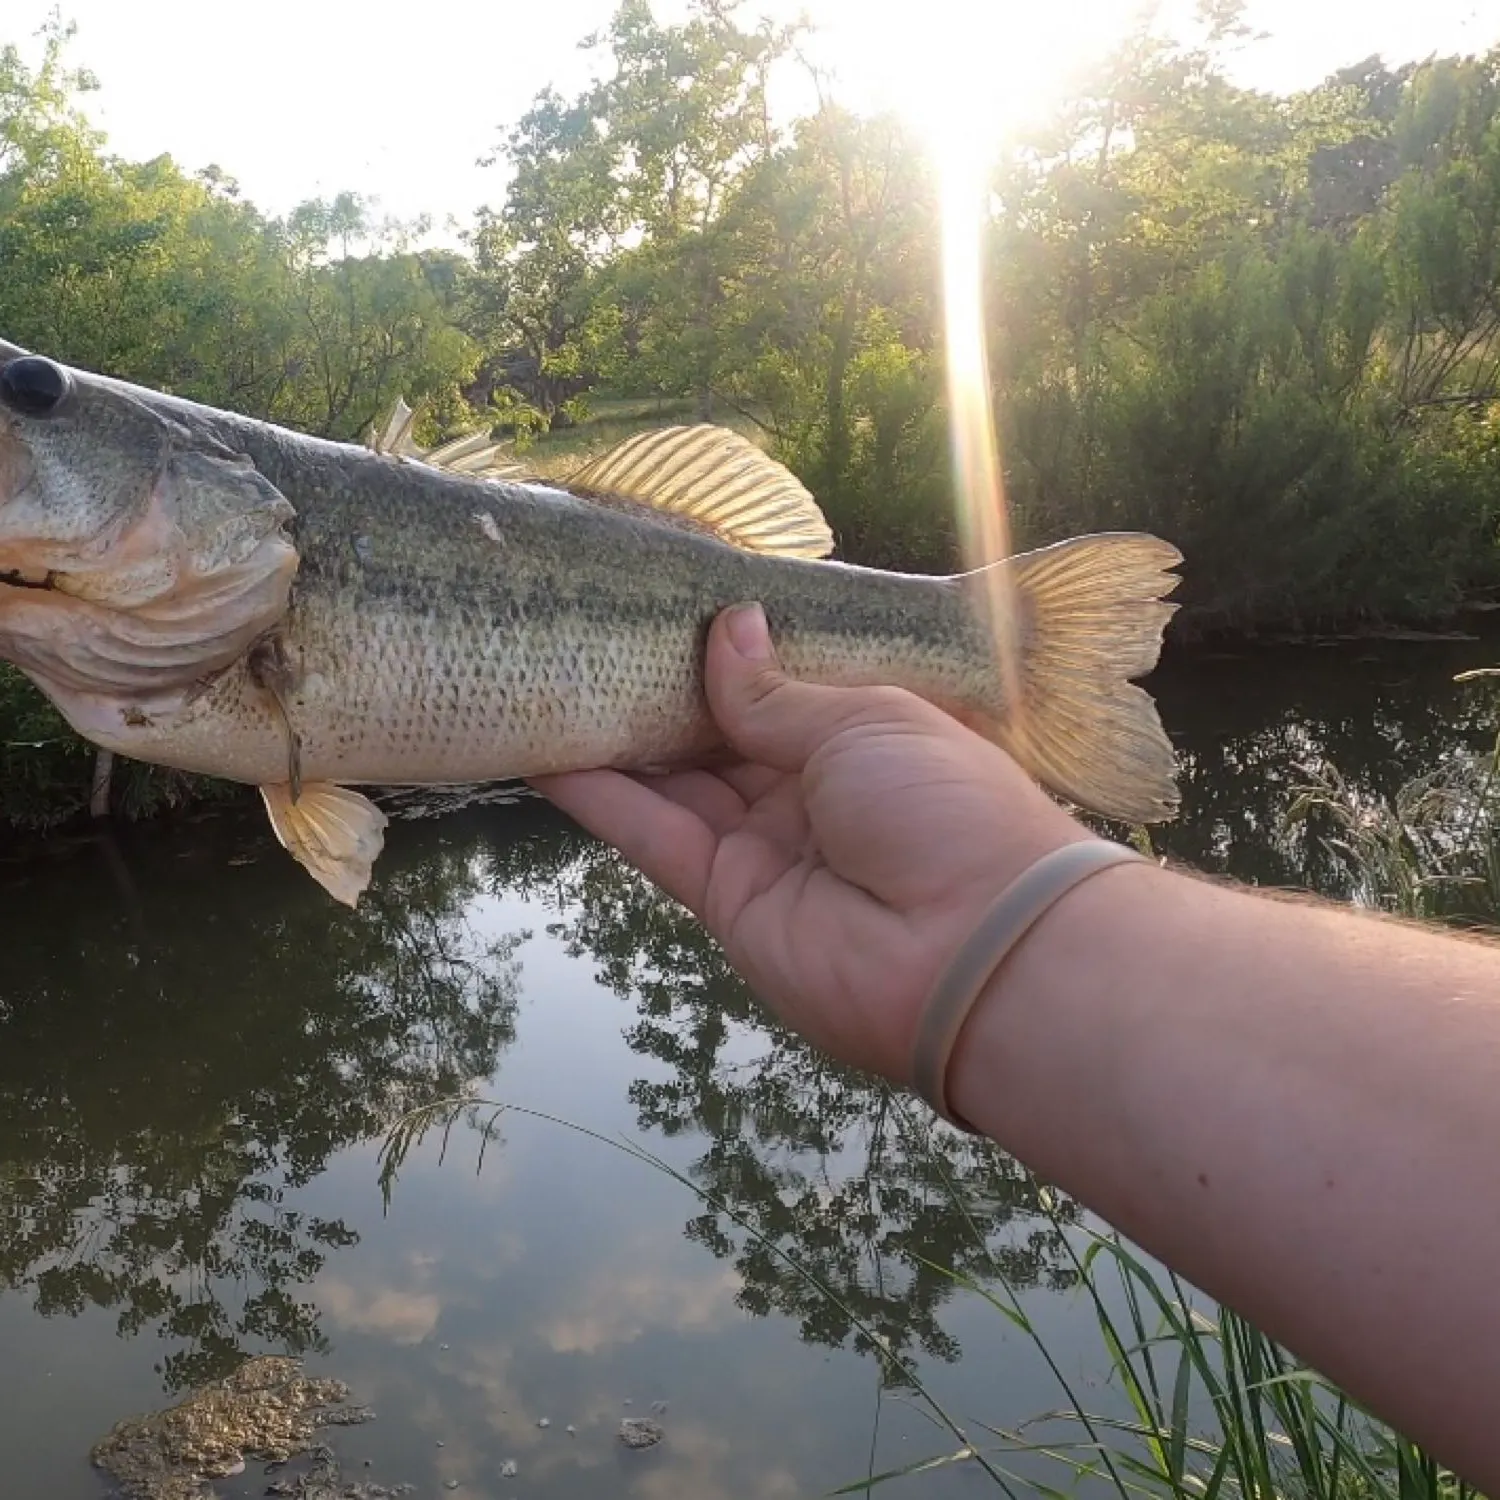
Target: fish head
(136, 548)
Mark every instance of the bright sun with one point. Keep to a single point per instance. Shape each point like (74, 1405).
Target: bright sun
(964, 71)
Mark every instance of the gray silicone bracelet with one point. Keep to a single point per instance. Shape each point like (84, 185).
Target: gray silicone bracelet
(1017, 909)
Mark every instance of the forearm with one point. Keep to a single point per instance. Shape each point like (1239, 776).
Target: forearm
(1297, 1108)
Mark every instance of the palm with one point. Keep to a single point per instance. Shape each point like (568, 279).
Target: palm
(815, 880)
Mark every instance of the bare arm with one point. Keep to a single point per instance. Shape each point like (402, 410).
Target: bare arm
(1296, 1106)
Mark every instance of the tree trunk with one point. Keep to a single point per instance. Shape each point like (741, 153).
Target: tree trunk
(104, 770)
(836, 452)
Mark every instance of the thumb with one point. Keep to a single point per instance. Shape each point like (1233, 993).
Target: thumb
(766, 716)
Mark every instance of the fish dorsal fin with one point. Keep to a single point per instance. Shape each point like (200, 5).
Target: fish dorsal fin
(335, 834)
(475, 454)
(395, 436)
(717, 478)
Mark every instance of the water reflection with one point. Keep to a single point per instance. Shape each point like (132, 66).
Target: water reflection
(180, 1054)
(1250, 728)
(835, 1202)
(823, 1165)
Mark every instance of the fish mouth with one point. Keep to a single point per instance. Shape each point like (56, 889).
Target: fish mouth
(18, 578)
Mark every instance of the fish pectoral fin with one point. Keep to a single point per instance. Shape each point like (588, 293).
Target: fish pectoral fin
(719, 479)
(271, 671)
(334, 833)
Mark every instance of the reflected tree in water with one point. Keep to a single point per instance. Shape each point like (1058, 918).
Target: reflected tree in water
(1253, 731)
(181, 1053)
(819, 1163)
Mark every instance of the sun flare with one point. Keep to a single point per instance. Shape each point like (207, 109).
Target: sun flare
(966, 73)
(971, 73)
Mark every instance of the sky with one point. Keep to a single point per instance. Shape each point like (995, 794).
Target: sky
(298, 98)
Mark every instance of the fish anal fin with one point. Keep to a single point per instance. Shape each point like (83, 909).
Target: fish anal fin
(717, 478)
(334, 833)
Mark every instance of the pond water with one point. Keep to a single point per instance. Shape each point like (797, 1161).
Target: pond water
(201, 1058)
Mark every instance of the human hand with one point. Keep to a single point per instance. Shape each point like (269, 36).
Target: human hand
(845, 859)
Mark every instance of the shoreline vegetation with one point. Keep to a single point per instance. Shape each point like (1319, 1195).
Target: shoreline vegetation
(1266, 328)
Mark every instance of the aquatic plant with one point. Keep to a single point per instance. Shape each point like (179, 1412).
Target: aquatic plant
(1429, 851)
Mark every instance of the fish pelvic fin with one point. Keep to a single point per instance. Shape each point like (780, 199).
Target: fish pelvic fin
(334, 833)
(1091, 613)
(717, 478)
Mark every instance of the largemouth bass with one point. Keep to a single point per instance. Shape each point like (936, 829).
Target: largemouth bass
(200, 590)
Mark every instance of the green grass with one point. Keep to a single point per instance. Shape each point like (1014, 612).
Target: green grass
(1216, 1409)
(1431, 851)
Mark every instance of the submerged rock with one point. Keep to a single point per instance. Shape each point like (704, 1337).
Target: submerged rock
(325, 1481)
(640, 1432)
(268, 1409)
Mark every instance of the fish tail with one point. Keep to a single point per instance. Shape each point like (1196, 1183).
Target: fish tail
(1091, 613)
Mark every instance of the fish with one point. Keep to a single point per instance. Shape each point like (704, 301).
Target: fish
(198, 589)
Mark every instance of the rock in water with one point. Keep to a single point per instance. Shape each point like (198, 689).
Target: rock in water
(640, 1432)
(268, 1409)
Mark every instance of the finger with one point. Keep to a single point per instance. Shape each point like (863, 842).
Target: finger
(712, 797)
(668, 843)
(752, 782)
(767, 716)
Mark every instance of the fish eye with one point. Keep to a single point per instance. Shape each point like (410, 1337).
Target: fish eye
(33, 386)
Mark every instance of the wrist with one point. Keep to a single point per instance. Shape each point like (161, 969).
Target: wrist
(1002, 926)
(1060, 1009)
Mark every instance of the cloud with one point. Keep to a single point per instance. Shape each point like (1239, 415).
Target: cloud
(402, 1317)
(697, 1461)
(617, 1306)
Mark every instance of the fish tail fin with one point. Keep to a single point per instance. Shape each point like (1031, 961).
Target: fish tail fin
(1091, 613)
(335, 834)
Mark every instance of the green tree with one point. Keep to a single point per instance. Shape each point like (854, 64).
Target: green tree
(632, 176)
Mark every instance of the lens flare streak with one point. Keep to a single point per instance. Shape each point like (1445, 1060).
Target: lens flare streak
(979, 484)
